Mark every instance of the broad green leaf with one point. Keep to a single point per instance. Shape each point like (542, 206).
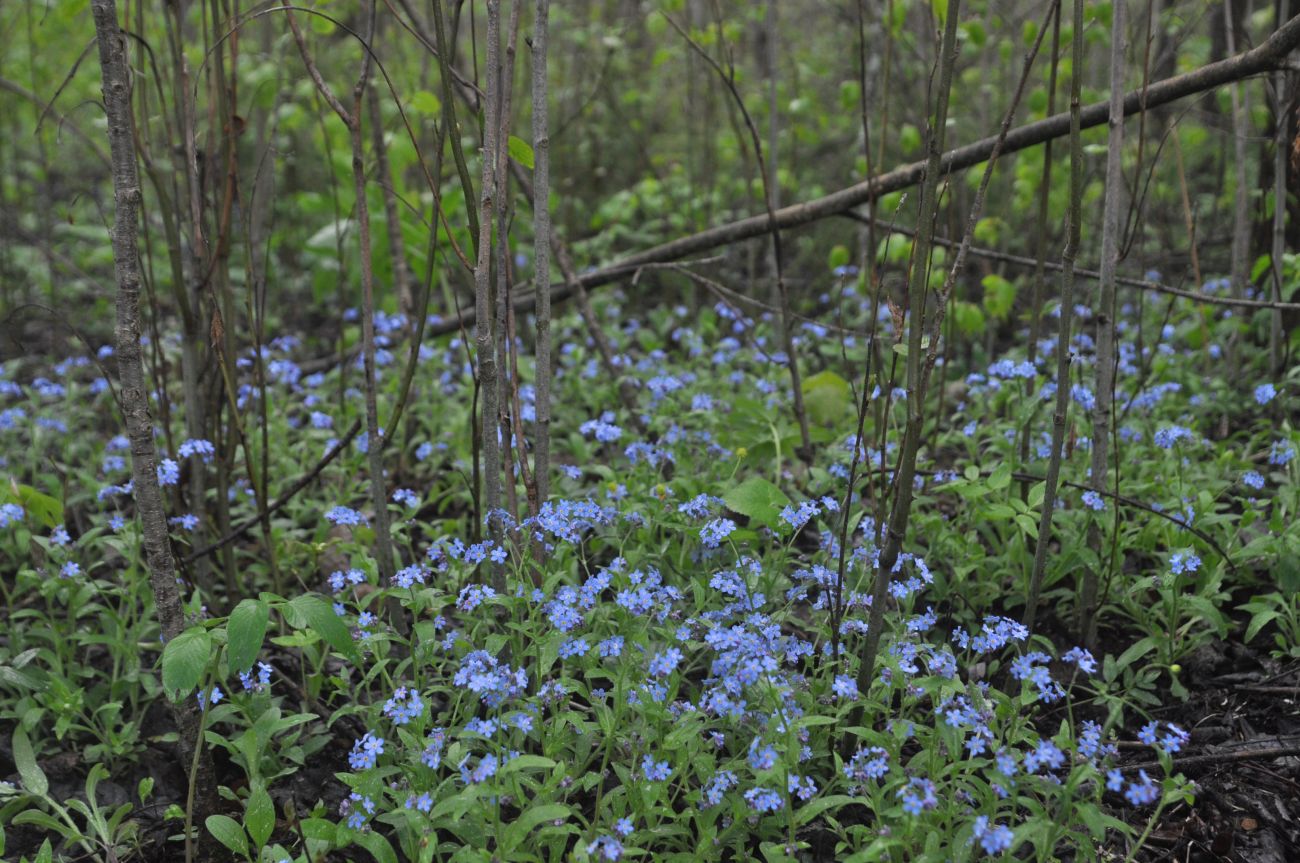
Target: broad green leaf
(758, 499)
(319, 829)
(527, 762)
(41, 507)
(259, 816)
(379, 847)
(1135, 652)
(807, 813)
(41, 819)
(228, 833)
(25, 759)
(320, 617)
(184, 660)
(999, 296)
(426, 103)
(524, 824)
(1036, 494)
(827, 396)
(1258, 622)
(1000, 478)
(245, 631)
(968, 318)
(521, 151)
(839, 257)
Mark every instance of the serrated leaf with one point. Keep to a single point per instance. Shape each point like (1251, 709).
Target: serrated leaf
(228, 832)
(758, 499)
(259, 816)
(1000, 478)
(521, 151)
(184, 660)
(245, 631)
(320, 617)
(25, 759)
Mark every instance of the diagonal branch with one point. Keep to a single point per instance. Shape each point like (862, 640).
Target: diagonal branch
(1267, 57)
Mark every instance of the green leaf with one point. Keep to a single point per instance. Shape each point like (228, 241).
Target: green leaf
(1135, 652)
(1037, 492)
(827, 396)
(1262, 264)
(999, 296)
(320, 617)
(969, 319)
(839, 257)
(807, 813)
(245, 631)
(521, 152)
(184, 660)
(425, 103)
(319, 829)
(379, 847)
(25, 759)
(1000, 478)
(41, 507)
(524, 824)
(1258, 622)
(228, 833)
(259, 816)
(48, 822)
(527, 762)
(758, 499)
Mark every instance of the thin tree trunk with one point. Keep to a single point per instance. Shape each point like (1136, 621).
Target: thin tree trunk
(1104, 313)
(917, 289)
(506, 383)
(1044, 195)
(1240, 266)
(374, 440)
(771, 32)
(542, 252)
(392, 216)
(1068, 257)
(1040, 245)
(484, 341)
(134, 389)
(1281, 113)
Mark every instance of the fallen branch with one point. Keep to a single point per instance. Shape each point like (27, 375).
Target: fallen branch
(1127, 281)
(1267, 57)
(1217, 758)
